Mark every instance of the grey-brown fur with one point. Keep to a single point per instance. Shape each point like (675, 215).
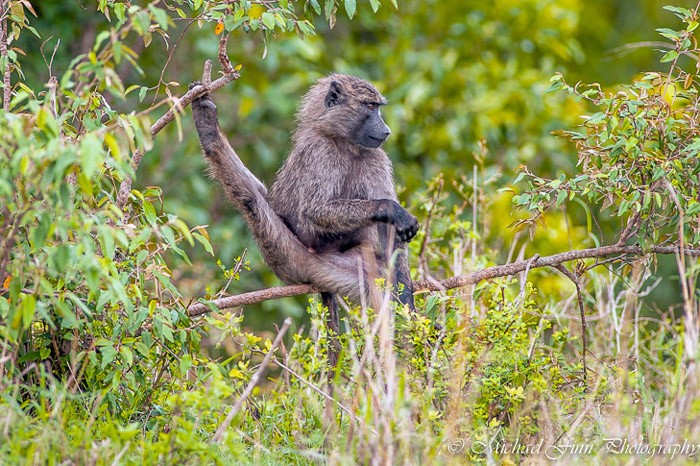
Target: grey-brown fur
(329, 218)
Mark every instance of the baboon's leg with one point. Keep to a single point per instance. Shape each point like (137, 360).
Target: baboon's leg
(397, 264)
(332, 327)
(333, 324)
(402, 276)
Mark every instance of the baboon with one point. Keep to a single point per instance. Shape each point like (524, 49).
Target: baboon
(331, 218)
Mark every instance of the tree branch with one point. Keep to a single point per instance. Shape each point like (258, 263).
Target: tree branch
(473, 278)
(229, 75)
(252, 297)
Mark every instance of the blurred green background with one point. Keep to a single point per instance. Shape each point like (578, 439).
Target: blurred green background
(456, 72)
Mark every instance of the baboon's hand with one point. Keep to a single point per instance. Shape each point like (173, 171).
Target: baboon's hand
(406, 224)
(203, 104)
(205, 120)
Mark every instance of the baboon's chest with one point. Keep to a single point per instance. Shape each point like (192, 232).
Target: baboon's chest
(370, 180)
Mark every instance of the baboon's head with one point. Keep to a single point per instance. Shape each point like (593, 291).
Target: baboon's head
(342, 106)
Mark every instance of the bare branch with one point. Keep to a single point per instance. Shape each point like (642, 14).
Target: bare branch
(254, 381)
(251, 297)
(206, 75)
(550, 261)
(224, 61)
(584, 339)
(454, 282)
(630, 229)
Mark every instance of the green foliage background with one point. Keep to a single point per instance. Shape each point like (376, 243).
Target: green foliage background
(455, 74)
(100, 362)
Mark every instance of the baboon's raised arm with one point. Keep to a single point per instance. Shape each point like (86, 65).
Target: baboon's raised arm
(242, 188)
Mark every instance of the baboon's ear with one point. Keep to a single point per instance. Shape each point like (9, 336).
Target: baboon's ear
(335, 94)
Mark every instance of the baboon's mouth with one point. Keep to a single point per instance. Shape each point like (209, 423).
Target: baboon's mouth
(377, 140)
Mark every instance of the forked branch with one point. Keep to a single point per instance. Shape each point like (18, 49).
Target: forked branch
(180, 104)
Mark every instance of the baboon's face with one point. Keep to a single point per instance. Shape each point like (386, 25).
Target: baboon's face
(356, 113)
(373, 131)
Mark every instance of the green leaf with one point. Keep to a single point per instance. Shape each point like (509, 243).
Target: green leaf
(150, 212)
(127, 355)
(167, 333)
(204, 242)
(268, 20)
(185, 363)
(669, 56)
(160, 16)
(61, 257)
(596, 118)
(555, 86)
(561, 196)
(47, 123)
(27, 310)
(350, 6)
(108, 355)
(119, 9)
(142, 93)
(30, 356)
(91, 154)
(682, 13)
(41, 231)
(68, 317)
(669, 33)
(316, 6)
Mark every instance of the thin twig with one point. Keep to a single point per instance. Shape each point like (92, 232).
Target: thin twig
(173, 49)
(472, 278)
(254, 381)
(434, 203)
(325, 395)
(584, 339)
(630, 229)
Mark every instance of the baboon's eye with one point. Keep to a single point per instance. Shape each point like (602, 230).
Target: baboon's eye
(371, 105)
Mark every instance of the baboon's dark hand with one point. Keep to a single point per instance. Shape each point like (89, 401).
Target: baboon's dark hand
(406, 224)
(205, 120)
(203, 103)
